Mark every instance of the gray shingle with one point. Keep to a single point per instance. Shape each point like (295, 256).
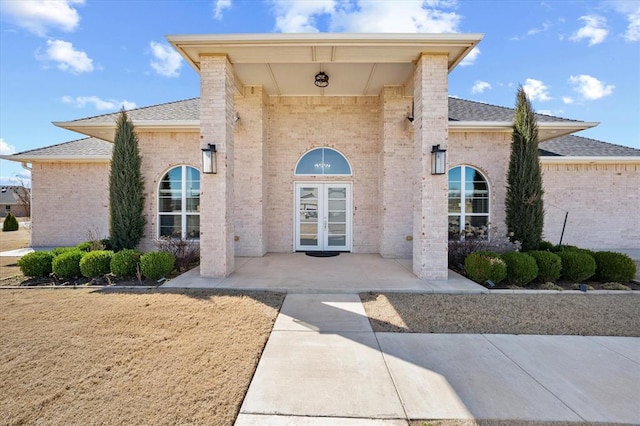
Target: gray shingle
(577, 146)
(87, 147)
(464, 110)
(188, 109)
(8, 195)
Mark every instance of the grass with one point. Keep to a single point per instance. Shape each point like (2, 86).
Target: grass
(12, 241)
(129, 357)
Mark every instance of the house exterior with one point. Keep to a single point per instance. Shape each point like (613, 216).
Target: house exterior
(343, 167)
(11, 202)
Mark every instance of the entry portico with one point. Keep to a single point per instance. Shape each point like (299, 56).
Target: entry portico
(393, 204)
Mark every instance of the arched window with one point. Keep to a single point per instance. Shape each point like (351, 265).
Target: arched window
(179, 203)
(468, 203)
(323, 161)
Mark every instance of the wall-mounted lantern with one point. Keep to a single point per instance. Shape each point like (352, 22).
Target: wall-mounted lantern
(209, 160)
(438, 160)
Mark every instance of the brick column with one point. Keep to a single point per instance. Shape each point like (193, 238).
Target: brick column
(216, 190)
(430, 191)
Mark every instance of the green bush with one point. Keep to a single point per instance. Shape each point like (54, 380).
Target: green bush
(549, 265)
(84, 246)
(545, 246)
(156, 264)
(60, 250)
(67, 264)
(483, 266)
(521, 268)
(36, 264)
(96, 263)
(577, 265)
(106, 243)
(611, 266)
(10, 223)
(124, 263)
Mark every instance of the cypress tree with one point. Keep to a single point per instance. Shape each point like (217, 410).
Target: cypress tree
(126, 187)
(524, 206)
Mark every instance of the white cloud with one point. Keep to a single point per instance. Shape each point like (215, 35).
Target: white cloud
(470, 59)
(99, 104)
(66, 57)
(594, 29)
(633, 30)
(545, 26)
(38, 16)
(630, 9)
(6, 149)
(299, 16)
(567, 100)
(544, 112)
(166, 61)
(536, 90)
(480, 87)
(220, 5)
(590, 87)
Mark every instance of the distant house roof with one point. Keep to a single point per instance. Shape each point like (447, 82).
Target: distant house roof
(8, 195)
(186, 113)
(85, 150)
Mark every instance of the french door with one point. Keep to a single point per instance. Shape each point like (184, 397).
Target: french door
(323, 217)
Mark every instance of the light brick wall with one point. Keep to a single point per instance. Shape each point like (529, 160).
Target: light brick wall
(217, 249)
(250, 180)
(348, 124)
(430, 191)
(603, 201)
(160, 152)
(396, 182)
(69, 200)
(489, 153)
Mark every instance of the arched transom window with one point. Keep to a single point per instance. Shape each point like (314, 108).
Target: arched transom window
(323, 161)
(179, 203)
(468, 203)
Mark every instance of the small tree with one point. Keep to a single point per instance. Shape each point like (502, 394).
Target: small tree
(126, 186)
(23, 193)
(524, 207)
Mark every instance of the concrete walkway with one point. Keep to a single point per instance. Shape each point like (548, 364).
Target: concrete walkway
(323, 365)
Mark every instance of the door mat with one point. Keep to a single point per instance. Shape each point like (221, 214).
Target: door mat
(322, 253)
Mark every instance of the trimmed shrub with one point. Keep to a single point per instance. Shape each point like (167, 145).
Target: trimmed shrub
(483, 266)
(60, 250)
(545, 246)
(612, 266)
(124, 263)
(550, 286)
(521, 268)
(10, 223)
(577, 265)
(96, 263)
(36, 264)
(549, 265)
(156, 264)
(84, 246)
(67, 264)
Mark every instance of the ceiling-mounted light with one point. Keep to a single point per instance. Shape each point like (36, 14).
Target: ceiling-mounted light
(322, 79)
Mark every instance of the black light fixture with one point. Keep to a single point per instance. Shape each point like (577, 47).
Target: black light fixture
(438, 160)
(209, 160)
(322, 79)
(411, 117)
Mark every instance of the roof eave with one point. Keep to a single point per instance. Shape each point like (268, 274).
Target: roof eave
(105, 130)
(589, 160)
(56, 158)
(546, 130)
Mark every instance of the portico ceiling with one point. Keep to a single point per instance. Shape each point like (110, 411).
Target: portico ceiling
(357, 64)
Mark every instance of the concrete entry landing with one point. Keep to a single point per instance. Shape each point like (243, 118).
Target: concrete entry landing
(346, 273)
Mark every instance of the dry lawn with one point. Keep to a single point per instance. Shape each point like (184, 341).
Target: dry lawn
(129, 357)
(12, 241)
(578, 314)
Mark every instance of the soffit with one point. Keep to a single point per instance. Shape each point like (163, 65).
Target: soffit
(357, 64)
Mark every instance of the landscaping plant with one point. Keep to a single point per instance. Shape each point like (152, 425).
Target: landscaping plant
(36, 264)
(524, 207)
(10, 223)
(126, 188)
(125, 263)
(549, 265)
(612, 266)
(577, 265)
(96, 263)
(60, 250)
(484, 266)
(521, 268)
(67, 265)
(156, 264)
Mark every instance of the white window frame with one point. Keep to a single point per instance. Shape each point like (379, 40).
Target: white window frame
(463, 214)
(183, 202)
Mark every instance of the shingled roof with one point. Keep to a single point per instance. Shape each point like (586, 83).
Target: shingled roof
(576, 146)
(78, 150)
(464, 110)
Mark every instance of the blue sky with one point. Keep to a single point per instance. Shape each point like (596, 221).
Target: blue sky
(68, 59)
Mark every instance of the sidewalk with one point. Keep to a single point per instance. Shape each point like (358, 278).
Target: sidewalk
(323, 365)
